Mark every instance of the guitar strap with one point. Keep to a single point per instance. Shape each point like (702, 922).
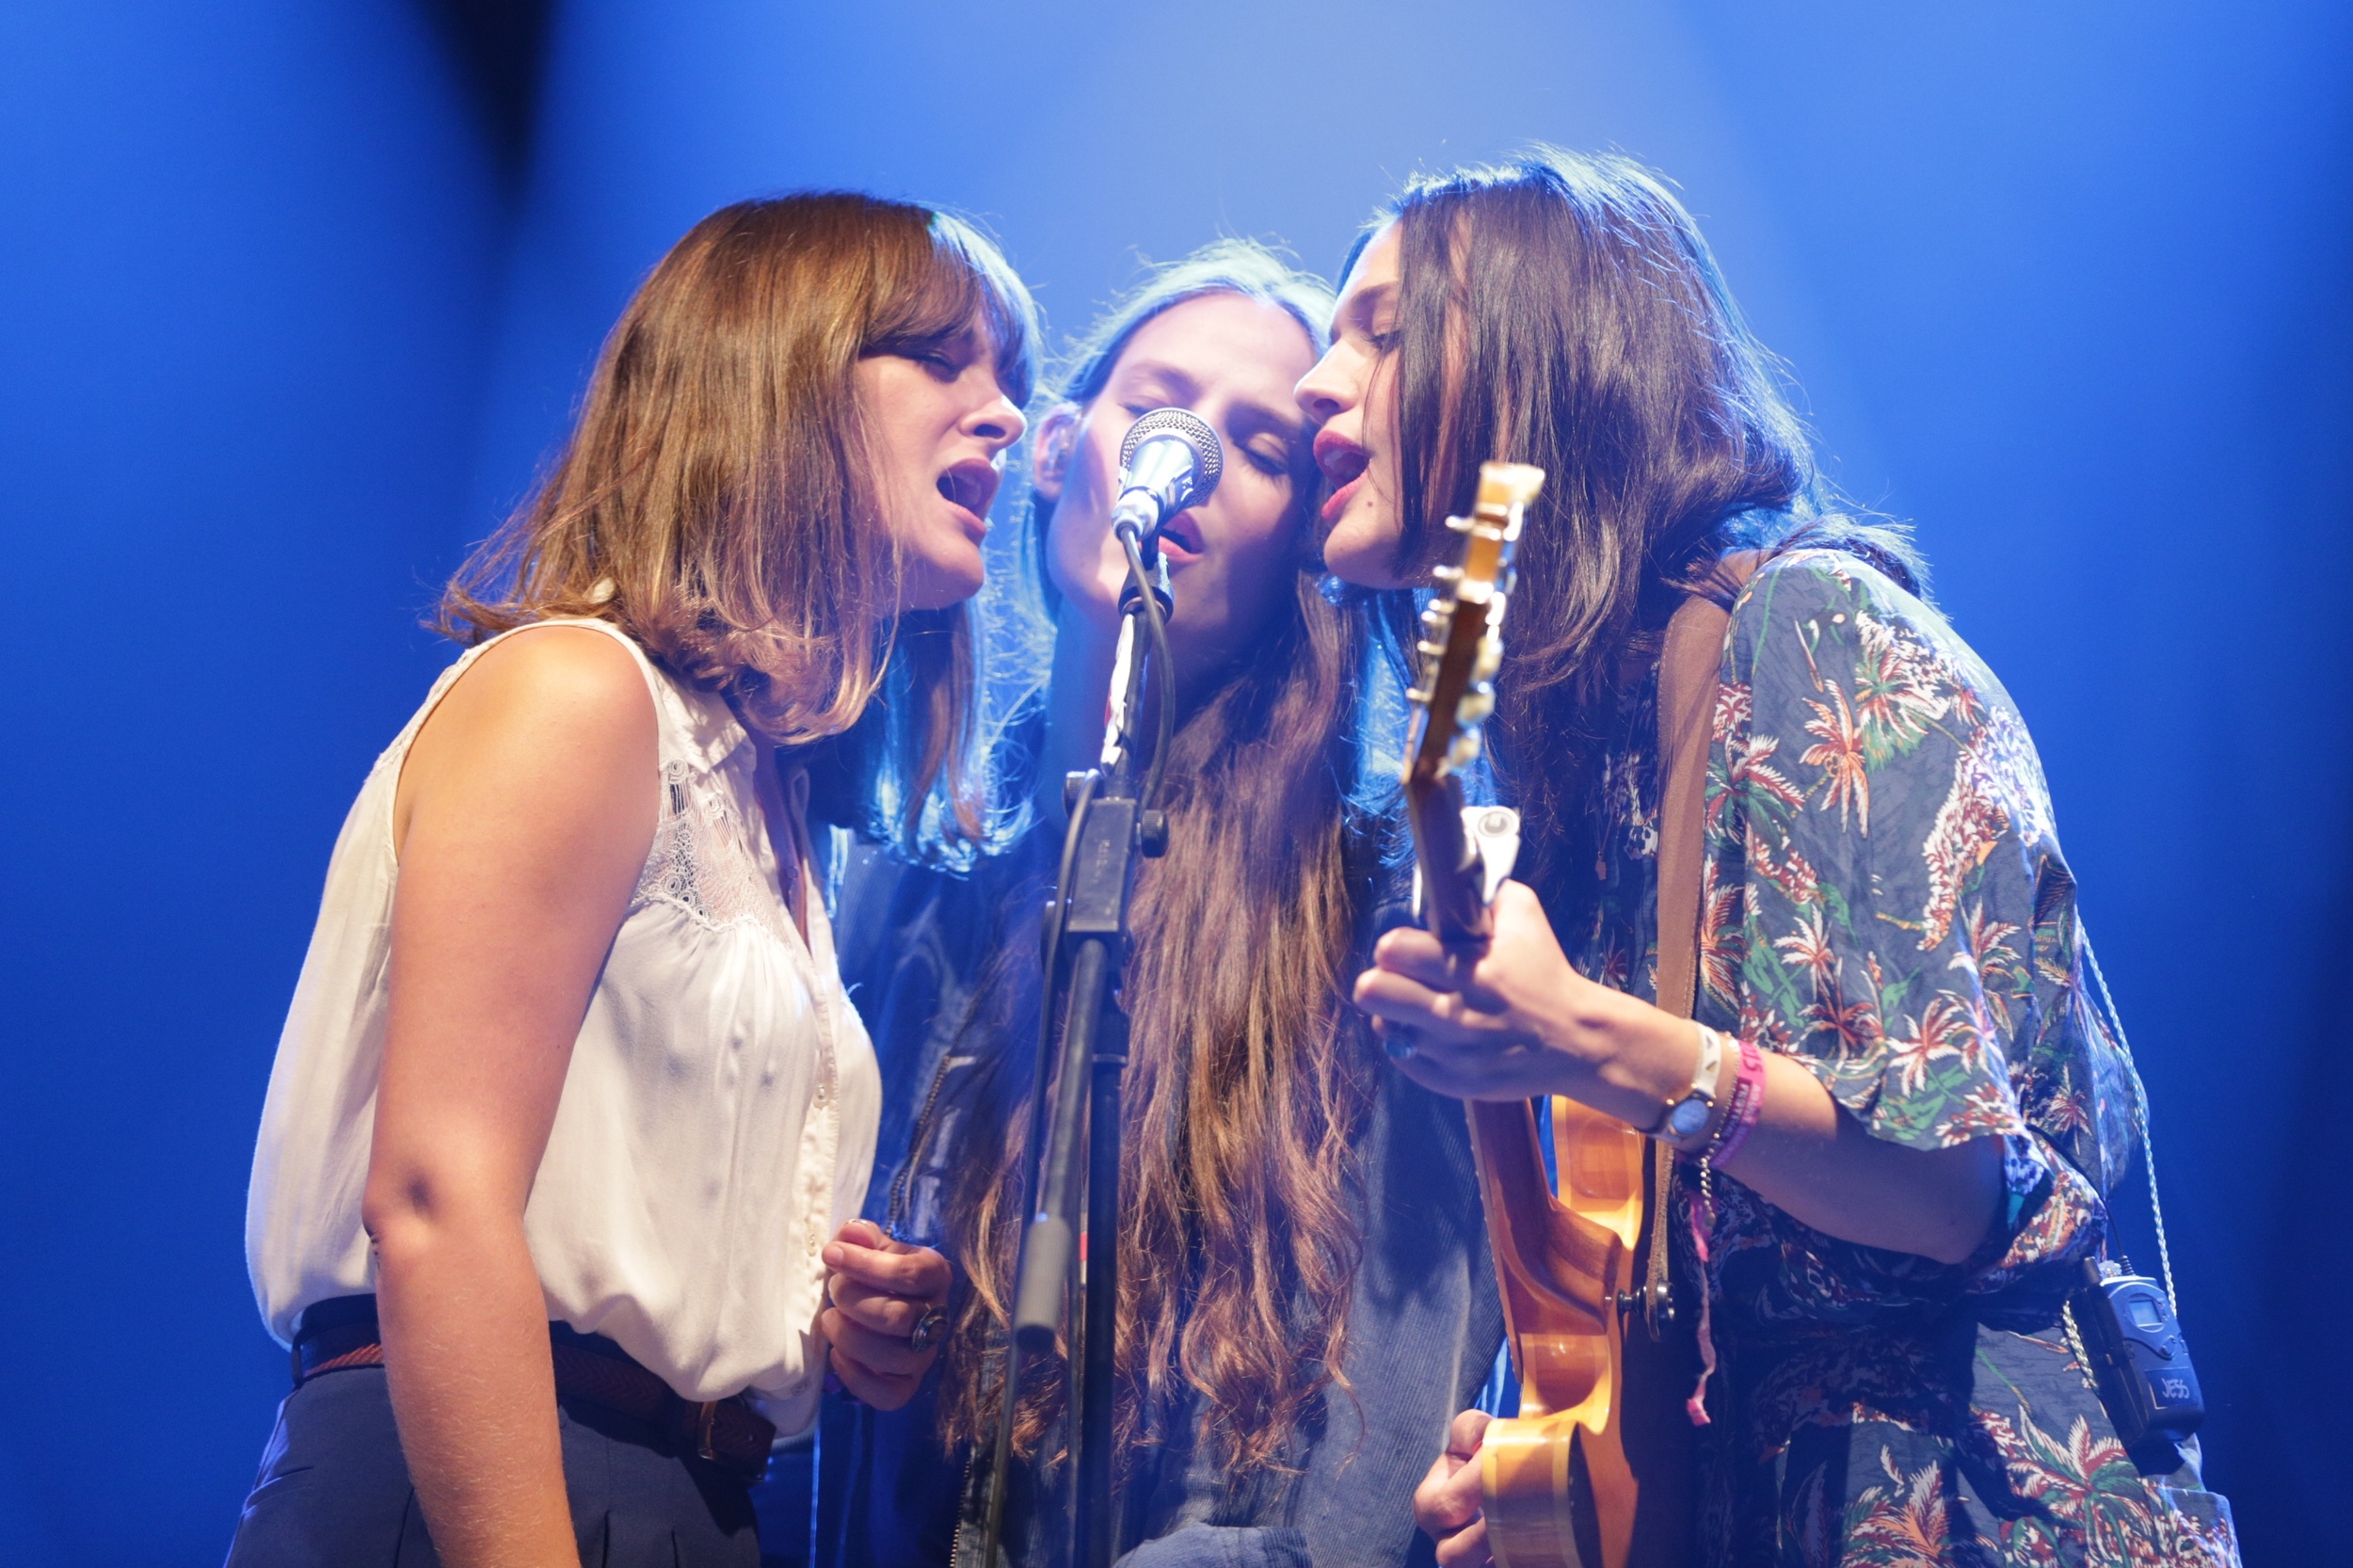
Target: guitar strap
(1688, 673)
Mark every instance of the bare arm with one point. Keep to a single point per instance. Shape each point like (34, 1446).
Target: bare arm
(524, 813)
(1523, 1022)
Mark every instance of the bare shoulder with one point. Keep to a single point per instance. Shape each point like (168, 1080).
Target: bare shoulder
(555, 715)
(549, 679)
(574, 670)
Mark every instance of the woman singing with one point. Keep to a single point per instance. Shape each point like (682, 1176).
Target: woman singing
(1889, 934)
(570, 1099)
(1305, 1296)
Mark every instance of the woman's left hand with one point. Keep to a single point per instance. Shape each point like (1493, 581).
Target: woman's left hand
(887, 1314)
(1518, 1020)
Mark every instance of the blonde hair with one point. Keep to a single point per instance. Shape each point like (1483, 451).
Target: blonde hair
(714, 500)
(1250, 1078)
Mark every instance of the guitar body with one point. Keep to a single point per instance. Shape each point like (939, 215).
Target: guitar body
(1596, 1470)
(1600, 1470)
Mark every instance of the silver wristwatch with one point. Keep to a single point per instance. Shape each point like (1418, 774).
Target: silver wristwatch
(1688, 1115)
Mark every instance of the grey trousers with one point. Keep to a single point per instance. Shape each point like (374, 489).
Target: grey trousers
(333, 1490)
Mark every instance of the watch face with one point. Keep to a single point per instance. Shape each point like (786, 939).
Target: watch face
(1687, 1117)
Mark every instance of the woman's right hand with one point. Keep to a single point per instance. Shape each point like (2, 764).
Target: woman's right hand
(1447, 1503)
(883, 1295)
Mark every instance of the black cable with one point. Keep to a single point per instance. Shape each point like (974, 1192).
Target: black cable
(1161, 669)
(1089, 783)
(1051, 955)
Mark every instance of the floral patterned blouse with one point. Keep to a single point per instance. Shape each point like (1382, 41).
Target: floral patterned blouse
(1883, 898)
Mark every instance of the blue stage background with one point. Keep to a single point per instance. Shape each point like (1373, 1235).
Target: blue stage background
(292, 296)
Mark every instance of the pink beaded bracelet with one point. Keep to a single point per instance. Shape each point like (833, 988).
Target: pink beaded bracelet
(1742, 1107)
(1748, 1104)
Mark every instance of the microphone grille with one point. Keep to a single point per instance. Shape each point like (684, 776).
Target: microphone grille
(1207, 450)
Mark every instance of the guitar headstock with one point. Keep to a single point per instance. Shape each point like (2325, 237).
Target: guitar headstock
(1461, 649)
(1462, 632)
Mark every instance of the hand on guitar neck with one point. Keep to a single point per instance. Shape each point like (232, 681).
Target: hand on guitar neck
(1515, 1019)
(1519, 1020)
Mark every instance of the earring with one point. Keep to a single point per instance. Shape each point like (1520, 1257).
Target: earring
(1054, 457)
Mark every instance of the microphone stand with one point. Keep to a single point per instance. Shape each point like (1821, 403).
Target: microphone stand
(1111, 824)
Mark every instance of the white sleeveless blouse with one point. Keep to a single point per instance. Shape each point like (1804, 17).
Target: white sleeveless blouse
(716, 1125)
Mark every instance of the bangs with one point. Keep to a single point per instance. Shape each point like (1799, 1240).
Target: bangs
(958, 279)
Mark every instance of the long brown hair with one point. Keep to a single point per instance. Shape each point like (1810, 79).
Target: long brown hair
(714, 499)
(1248, 1077)
(1563, 310)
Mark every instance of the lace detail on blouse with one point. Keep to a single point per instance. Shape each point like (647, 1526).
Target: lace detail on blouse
(706, 862)
(703, 860)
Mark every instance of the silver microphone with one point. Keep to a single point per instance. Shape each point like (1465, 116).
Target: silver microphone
(1170, 461)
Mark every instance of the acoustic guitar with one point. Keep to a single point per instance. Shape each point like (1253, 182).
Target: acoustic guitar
(1596, 1469)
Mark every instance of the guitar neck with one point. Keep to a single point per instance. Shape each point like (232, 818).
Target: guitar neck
(1453, 880)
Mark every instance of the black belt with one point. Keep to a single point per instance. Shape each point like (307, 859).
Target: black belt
(341, 1333)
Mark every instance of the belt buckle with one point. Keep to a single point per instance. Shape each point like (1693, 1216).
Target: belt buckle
(701, 1429)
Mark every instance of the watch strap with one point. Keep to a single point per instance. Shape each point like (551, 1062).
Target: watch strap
(1706, 1075)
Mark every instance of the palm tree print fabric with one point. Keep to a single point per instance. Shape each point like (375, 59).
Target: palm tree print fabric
(1883, 899)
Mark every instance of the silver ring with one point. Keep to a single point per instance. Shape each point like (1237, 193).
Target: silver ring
(1397, 1041)
(929, 1329)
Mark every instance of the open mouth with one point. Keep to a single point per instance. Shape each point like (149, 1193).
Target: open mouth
(1343, 463)
(1180, 536)
(1341, 459)
(970, 485)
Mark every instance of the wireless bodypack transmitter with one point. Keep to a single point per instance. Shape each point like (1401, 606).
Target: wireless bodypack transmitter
(2138, 1355)
(2121, 1325)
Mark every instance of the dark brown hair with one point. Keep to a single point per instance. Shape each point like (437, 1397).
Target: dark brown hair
(1562, 310)
(714, 499)
(1248, 1080)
